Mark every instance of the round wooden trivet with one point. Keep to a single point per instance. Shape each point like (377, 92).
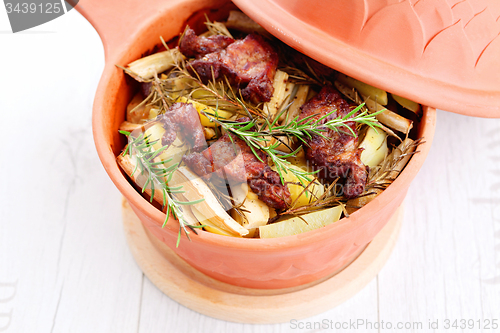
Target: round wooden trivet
(187, 286)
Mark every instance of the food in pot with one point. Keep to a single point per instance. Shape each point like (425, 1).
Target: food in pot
(235, 133)
(230, 157)
(248, 63)
(335, 154)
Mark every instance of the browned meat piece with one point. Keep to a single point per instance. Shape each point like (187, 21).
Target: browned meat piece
(183, 117)
(337, 156)
(145, 88)
(194, 46)
(249, 64)
(236, 162)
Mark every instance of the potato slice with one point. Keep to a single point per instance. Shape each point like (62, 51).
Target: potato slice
(406, 103)
(178, 85)
(375, 147)
(387, 117)
(296, 225)
(299, 196)
(200, 107)
(128, 164)
(137, 114)
(209, 226)
(378, 95)
(299, 100)
(156, 63)
(356, 203)
(279, 94)
(174, 152)
(130, 127)
(258, 211)
(194, 189)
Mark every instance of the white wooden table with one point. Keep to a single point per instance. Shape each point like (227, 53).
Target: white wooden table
(65, 265)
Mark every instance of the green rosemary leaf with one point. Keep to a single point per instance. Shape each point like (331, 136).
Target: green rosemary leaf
(174, 188)
(151, 199)
(157, 177)
(252, 147)
(158, 152)
(126, 133)
(145, 186)
(163, 162)
(178, 238)
(187, 203)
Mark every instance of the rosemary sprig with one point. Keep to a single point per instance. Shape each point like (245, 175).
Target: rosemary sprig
(327, 199)
(218, 94)
(298, 76)
(386, 172)
(216, 28)
(158, 174)
(260, 139)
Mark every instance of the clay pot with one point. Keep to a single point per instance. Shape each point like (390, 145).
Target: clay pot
(128, 30)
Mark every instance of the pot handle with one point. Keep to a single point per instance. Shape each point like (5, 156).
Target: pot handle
(116, 20)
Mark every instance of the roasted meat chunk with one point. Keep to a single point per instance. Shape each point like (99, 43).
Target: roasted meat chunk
(337, 155)
(193, 46)
(183, 117)
(232, 159)
(249, 64)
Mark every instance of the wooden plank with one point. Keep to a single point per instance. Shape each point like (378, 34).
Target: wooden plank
(203, 294)
(161, 313)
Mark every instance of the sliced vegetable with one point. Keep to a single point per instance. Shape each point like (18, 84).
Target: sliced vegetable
(194, 188)
(204, 108)
(279, 94)
(156, 63)
(137, 113)
(389, 118)
(128, 164)
(179, 85)
(296, 225)
(299, 99)
(301, 197)
(174, 152)
(208, 225)
(406, 103)
(375, 147)
(255, 212)
(376, 94)
(127, 126)
(356, 203)
(398, 164)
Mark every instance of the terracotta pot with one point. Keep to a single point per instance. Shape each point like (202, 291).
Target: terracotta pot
(129, 30)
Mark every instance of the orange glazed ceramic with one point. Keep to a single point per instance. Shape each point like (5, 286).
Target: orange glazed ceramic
(441, 53)
(129, 29)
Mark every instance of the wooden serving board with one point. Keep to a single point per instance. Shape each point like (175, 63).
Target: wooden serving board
(187, 286)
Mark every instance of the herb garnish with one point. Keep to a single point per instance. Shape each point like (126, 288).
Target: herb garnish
(158, 175)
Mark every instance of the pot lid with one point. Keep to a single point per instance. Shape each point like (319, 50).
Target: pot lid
(445, 54)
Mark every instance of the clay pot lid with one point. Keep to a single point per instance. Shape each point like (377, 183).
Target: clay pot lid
(445, 54)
